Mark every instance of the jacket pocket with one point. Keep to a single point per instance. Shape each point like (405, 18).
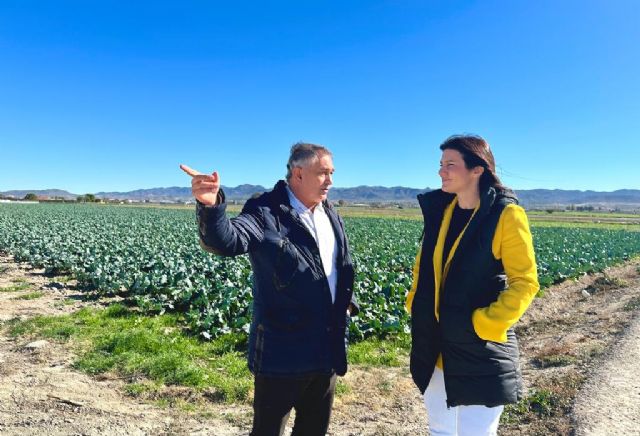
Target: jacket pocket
(285, 258)
(481, 358)
(286, 264)
(456, 325)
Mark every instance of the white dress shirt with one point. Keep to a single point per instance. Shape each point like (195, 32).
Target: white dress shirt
(319, 225)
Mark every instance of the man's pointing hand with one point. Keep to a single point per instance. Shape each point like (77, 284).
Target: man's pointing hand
(204, 187)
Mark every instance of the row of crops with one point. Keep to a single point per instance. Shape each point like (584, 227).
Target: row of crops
(152, 257)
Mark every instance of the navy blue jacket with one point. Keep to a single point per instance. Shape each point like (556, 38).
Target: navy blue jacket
(295, 327)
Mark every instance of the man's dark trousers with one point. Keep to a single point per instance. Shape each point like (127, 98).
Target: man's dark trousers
(311, 396)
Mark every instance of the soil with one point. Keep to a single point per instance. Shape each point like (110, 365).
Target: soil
(566, 341)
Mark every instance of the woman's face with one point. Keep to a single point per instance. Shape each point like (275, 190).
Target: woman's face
(456, 178)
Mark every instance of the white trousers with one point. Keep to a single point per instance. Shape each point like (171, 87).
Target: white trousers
(460, 420)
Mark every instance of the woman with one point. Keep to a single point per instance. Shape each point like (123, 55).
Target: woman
(474, 277)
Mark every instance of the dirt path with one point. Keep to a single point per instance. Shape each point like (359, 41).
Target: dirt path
(609, 403)
(563, 337)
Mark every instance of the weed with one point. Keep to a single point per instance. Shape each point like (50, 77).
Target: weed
(551, 398)
(140, 389)
(554, 360)
(207, 415)
(163, 403)
(385, 386)
(593, 351)
(606, 283)
(542, 402)
(65, 278)
(559, 324)
(342, 388)
(30, 296)
(553, 355)
(15, 288)
(63, 303)
(238, 419)
(633, 304)
(186, 406)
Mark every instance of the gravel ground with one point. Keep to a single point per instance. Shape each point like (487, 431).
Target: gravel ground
(609, 403)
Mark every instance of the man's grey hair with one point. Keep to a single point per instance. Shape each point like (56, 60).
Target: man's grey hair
(303, 154)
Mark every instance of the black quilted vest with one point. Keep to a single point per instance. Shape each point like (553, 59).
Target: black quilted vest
(476, 372)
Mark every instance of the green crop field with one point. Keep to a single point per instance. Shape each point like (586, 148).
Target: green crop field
(151, 256)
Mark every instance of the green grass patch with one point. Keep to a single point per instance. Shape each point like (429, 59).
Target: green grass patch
(540, 403)
(554, 360)
(550, 399)
(386, 386)
(134, 346)
(555, 354)
(633, 304)
(17, 287)
(142, 389)
(30, 296)
(593, 351)
(155, 351)
(586, 225)
(577, 213)
(342, 388)
(65, 302)
(392, 351)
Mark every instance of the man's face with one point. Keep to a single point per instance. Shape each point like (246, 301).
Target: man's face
(311, 183)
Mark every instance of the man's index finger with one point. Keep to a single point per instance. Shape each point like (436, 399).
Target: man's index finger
(189, 171)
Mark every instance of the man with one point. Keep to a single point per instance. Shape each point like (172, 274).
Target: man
(302, 287)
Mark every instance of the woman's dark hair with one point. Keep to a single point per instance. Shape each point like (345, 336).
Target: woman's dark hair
(475, 152)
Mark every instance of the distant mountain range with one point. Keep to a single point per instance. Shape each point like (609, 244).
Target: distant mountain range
(623, 198)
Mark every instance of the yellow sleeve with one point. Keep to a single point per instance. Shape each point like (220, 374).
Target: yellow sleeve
(512, 243)
(414, 284)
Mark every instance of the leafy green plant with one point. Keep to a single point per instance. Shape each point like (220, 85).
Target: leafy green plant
(151, 257)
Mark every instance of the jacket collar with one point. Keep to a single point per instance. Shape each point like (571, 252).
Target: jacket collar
(280, 202)
(281, 198)
(434, 202)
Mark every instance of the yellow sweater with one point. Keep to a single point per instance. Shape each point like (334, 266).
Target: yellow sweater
(513, 245)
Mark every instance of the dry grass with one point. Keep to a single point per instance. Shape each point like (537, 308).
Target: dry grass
(606, 283)
(555, 354)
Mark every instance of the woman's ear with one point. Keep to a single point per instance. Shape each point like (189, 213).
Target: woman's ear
(478, 170)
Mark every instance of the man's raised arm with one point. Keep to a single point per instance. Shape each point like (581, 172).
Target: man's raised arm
(218, 233)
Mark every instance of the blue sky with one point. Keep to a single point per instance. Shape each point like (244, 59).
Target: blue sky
(113, 96)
